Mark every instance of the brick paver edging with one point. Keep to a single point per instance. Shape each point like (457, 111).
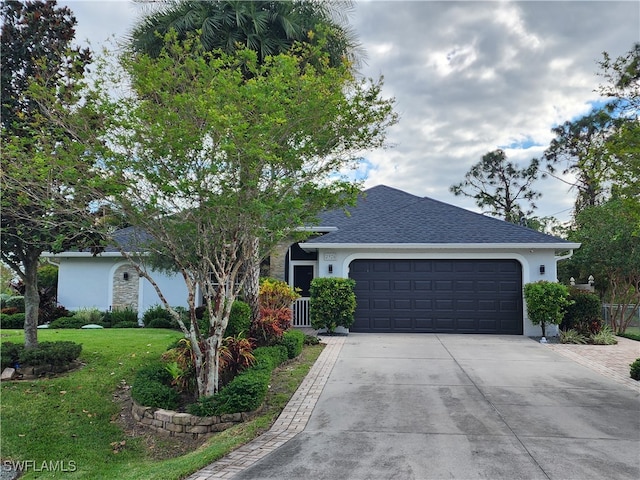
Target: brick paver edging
(612, 361)
(291, 421)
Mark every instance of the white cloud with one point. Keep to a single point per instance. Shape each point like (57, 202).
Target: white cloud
(468, 77)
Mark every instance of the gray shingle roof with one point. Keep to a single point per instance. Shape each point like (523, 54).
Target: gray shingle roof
(388, 216)
(132, 239)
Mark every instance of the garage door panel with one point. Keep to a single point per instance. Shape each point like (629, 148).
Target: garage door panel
(380, 285)
(381, 304)
(399, 285)
(443, 285)
(402, 304)
(466, 306)
(423, 304)
(441, 296)
(423, 285)
(509, 287)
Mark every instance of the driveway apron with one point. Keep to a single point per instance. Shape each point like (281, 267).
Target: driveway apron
(423, 406)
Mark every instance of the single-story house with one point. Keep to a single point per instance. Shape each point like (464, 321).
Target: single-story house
(420, 265)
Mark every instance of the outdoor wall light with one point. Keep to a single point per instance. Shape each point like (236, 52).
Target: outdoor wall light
(330, 268)
(541, 269)
(125, 275)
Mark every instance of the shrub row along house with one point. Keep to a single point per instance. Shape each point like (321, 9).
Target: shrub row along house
(420, 265)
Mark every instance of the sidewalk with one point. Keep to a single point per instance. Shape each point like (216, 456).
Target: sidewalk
(609, 360)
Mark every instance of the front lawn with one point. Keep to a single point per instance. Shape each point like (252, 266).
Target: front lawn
(70, 418)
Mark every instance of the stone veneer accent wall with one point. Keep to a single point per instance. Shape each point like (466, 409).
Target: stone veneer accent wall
(125, 292)
(176, 424)
(277, 260)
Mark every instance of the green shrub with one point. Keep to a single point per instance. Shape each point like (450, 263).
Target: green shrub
(572, 336)
(546, 302)
(244, 393)
(151, 387)
(604, 337)
(332, 303)
(293, 340)
(3, 299)
(12, 321)
(311, 340)
(120, 315)
(270, 357)
(125, 325)
(69, 322)
(156, 312)
(239, 320)
(635, 369)
(10, 354)
(51, 353)
(154, 394)
(584, 314)
(16, 301)
(159, 323)
(156, 372)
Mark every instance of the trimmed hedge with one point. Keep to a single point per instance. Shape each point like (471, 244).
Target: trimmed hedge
(159, 323)
(247, 391)
(125, 325)
(10, 354)
(15, 320)
(151, 387)
(69, 322)
(46, 353)
(635, 369)
(293, 340)
(15, 302)
(270, 357)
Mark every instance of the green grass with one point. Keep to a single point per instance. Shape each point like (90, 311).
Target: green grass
(632, 332)
(70, 418)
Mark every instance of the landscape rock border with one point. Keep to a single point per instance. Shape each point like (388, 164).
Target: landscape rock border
(179, 424)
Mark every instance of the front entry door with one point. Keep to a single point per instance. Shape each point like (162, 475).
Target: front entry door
(302, 276)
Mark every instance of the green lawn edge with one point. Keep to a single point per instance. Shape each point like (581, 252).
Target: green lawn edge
(69, 419)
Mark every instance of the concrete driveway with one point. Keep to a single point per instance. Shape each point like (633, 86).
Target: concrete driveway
(425, 406)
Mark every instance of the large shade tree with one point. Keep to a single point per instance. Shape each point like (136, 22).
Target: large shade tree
(266, 27)
(216, 150)
(43, 168)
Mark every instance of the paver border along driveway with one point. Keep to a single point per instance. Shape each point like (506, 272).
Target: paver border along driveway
(426, 406)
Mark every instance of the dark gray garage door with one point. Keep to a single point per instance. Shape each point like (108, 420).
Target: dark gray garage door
(438, 296)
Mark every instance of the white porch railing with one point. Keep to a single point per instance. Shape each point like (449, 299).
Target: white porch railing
(301, 313)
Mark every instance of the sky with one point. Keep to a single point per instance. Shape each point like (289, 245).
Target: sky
(467, 77)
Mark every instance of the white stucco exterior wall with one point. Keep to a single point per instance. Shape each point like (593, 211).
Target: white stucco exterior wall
(531, 259)
(87, 282)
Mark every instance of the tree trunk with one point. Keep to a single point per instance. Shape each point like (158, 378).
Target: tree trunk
(543, 325)
(31, 302)
(252, 281)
